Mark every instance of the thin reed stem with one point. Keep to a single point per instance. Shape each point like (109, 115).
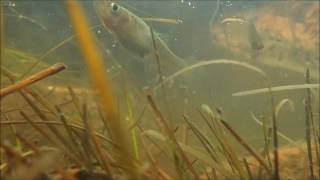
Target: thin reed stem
(308, 128)
(32, 79)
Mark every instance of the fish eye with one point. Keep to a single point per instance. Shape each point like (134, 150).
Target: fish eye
(114, 7)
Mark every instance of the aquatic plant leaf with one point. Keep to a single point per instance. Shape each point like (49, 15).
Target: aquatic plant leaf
(190, 150)
(210, 62)
(282, 103)
(276, 89)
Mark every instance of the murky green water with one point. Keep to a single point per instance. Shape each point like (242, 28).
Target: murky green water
(289, 31)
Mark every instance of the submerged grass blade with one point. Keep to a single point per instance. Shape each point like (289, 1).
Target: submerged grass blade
(283, 136)
(51, 50)
(308, 128)
(45, 134)
(276, 175)
(73, 126)
(210, 62)
(75, 100)
(192, 151)
(227, 149)
(105, 161)
(133, 129)
(204, 141)
(43, 117)
(248, 169)
(276, 89)
(164, 126)
(246, 146)
(74, 145)
(282, 103)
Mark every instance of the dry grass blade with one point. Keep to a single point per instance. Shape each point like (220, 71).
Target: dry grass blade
(32, 79)
(37, 96)
(210, 62)
(169, 132)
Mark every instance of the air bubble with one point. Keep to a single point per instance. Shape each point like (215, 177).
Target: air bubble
(179, 21)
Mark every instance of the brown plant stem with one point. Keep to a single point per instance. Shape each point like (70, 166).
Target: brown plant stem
(32, 79)
(246, 146)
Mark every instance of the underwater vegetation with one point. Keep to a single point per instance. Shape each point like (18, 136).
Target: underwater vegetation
(138, 109)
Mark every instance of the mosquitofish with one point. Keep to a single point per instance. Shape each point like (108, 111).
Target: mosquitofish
(228, 20)
(254, 37)
(254, 40)
(133, 32)
(162, 20)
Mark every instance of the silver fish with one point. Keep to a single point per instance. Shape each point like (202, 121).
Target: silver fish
(133, 33)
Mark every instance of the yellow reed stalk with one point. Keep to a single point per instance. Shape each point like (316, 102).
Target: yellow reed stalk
(96, 70)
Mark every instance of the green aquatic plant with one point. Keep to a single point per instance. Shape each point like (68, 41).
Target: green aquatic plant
(132, 128)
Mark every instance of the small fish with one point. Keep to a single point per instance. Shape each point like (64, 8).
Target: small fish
(162, 20)
(254, 40)
(228, 20)
(254, 37)
(133, 32)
